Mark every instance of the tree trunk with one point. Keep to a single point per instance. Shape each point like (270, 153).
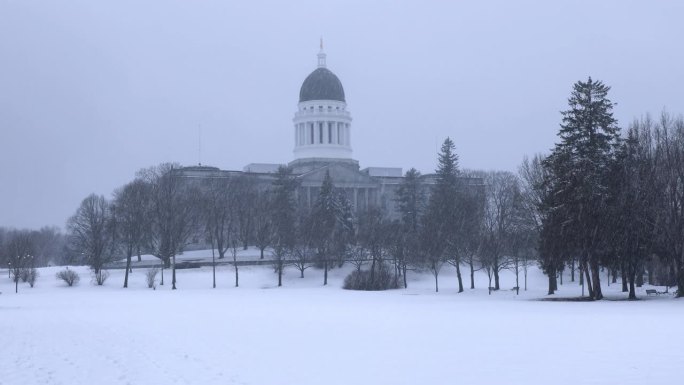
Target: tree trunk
(651, 275)
(460, 280)
(496, 279)
(596, 280)
(632, 290)
(325, 271)
(587, 279)
(640, 275)
(162, 275)
(517, 284)
(623, 276)
(552, 287)
(128, 268)
(472, 275)
(680, 277)
(139, 255)
(280, 273)
(572, 270)
(405, 283)
(261, 251)
(436, 282)
(489, 287)
(173, 273)
(213, 265)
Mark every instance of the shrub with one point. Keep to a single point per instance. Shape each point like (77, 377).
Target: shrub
(69, 276)
(32, 276)
(24, 274)
(100, 277)
(361, 279)
(151, 275)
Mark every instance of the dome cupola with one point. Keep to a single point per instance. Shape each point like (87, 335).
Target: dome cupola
(322, 123)
(321, 84)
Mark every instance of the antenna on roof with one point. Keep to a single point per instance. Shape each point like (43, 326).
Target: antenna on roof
(199, 144)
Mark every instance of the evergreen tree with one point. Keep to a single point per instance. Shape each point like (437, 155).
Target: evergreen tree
(632, 208)
(283, 217)
(440, 220)
(411, 202)
(324, 217)
(579, 167)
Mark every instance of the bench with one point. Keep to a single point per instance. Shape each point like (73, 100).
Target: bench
(515, 288)
(652, 291)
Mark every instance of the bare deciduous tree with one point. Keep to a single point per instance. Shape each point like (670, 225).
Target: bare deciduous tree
(173, 214)
(131, 207)
(92, 233)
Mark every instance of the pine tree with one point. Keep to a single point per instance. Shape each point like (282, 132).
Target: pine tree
(579, 168)
(324, 216)
(440, 219)
(283, 218)
(411, 202)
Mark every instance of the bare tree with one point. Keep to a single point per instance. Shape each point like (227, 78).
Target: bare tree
(49, 245)
(234, 251)
(373, 234)
(131, 207)
(669, 164)
(173, 214)
(262, 221)
(92, 233)
(500, 221)
(245, 189)
(218, 206)
(19, 251)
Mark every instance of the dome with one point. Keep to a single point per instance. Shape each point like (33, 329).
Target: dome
(321, 84)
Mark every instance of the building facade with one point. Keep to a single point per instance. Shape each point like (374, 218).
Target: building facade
(322, 134)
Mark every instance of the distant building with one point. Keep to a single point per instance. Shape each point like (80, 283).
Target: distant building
(322, 143)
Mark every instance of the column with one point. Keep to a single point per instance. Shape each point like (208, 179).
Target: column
(337, 132)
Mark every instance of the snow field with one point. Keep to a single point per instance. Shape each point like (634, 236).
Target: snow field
(304, 333)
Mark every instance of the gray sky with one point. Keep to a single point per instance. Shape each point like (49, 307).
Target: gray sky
(92, 91)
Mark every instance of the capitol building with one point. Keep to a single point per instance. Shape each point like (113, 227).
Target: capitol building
(322, 134)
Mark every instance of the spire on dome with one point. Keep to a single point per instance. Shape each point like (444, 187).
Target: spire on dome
(321, 56)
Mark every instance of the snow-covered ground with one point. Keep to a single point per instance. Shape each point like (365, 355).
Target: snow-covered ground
(304, 333)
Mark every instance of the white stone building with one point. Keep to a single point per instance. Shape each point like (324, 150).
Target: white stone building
(322, 135)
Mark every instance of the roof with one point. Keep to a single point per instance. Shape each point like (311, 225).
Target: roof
(321, 84)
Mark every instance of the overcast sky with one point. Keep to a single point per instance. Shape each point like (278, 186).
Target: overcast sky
(92, 91)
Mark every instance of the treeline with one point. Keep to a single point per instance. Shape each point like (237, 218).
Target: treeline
(612, 202)
(602, 202)
(22, 251)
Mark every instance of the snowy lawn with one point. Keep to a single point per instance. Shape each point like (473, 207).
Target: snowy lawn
(304, 333)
